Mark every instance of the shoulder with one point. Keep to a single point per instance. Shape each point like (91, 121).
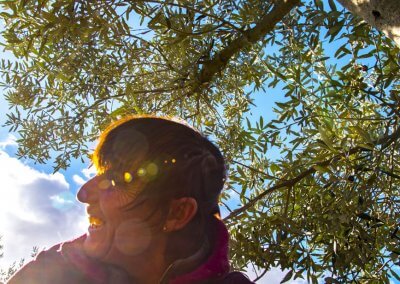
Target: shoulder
(236, 278)
(49, 266)
(43, 269)
(67, 263)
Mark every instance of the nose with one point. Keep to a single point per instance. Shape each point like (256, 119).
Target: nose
(86, 191)
(89, 192)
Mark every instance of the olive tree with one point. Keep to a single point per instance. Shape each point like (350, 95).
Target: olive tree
(313, 181)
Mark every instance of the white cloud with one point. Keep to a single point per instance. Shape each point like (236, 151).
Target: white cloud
(89, 172)
(78, 180)
(36, 209)
(11, 140)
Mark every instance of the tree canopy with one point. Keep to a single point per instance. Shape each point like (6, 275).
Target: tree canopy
(314, 180)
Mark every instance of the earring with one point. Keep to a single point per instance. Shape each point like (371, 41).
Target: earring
(165, 228)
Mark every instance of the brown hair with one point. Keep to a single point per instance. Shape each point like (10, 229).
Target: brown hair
(171, 160)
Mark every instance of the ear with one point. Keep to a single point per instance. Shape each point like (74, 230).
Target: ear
(181, 212)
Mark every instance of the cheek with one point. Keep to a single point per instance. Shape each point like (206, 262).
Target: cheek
(115, 200)
(133, 237)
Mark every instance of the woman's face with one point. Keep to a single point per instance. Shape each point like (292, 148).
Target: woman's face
(115, 231)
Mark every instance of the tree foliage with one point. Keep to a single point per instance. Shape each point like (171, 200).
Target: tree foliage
(316, 182)
(5, 274)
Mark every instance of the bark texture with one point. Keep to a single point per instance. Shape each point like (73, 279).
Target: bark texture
(381, 14)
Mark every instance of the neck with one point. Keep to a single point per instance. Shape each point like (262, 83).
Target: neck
(148, 273)
(146, 268)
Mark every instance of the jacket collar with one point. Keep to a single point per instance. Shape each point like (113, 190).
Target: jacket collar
(216, 265)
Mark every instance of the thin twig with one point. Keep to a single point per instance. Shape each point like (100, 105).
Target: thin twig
(261, 275)
(254, 169)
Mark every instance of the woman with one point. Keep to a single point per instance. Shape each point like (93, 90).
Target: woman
(153, 212)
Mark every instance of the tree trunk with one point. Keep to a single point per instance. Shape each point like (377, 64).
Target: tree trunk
(381, 14)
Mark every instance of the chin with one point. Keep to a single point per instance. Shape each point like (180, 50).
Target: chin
(97, 245)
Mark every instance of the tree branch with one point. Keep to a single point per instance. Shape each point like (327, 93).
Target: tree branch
(287, 183)
(248, 37)
(384, 142)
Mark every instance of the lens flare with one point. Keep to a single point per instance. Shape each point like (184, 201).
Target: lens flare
(152, 169)
(141, 172)
(105, 183)
(127, 177)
